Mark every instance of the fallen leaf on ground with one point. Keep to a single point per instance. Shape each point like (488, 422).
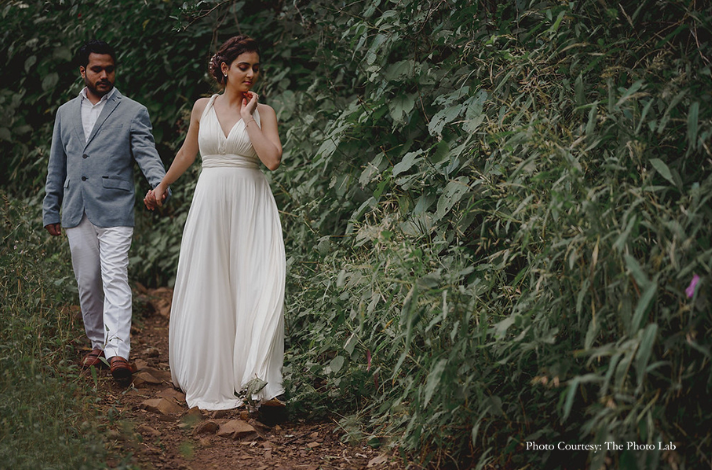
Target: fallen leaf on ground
(377, 461)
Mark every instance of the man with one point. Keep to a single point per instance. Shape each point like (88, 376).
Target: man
(96, 138)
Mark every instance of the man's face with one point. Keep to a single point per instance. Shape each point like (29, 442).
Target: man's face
(99, 74)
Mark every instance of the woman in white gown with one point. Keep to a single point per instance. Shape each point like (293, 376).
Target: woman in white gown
(227, 317)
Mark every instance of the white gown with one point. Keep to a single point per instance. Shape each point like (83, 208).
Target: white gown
(227, 317)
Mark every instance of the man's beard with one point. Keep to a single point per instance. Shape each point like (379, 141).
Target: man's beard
(97, 92)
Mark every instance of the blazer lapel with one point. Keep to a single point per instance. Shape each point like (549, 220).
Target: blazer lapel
(109, 108)
(76, 111)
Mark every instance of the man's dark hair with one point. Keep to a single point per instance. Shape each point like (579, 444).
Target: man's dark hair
(94, 46)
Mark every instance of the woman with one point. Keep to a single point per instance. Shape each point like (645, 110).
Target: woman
(227, 317)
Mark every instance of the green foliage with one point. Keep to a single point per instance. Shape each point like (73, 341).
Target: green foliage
(492, 223)
(39, 399)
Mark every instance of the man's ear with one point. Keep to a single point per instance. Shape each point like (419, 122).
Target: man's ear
(82, 71)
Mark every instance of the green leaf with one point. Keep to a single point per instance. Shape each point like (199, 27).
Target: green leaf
(666, 117)
(453, 192)
(502, 327)
(692, 124)
(371, 9)
(400, 70)
(579, 92)
(474, 115)
(645, 350)
(663, 169)
(442, 118)
(591, 334)
(351, 344)
(50, 81)
(571, 391)
(372, 53)
(328, 147)
(592, 119)
(409, 159)
(434, 380)
(630, 92)
(637, 271)
(581, 295)
(555, 27)
(609, 373)
(284, 105)
(401, 106)
(646, 109)
(253, 387)
(341, 278)
(623, 237)
(336, 364)
(29, 62)
(373, 169)
(476, 427)
(642, 306)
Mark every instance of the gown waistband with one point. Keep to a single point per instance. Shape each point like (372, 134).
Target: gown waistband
(231, 161)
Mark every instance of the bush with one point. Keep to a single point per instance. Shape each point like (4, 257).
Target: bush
(40, 401)
(507, 206)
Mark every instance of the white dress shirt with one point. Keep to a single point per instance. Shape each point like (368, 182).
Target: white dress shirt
(91, 112)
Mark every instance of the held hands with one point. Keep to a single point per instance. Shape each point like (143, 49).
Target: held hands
(248, 105)
(155, 197)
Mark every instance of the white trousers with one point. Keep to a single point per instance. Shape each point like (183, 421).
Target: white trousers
(100, 257)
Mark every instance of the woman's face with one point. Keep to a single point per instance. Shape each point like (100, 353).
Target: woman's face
(243, 71)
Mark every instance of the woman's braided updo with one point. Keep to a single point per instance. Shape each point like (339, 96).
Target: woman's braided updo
(228, 52)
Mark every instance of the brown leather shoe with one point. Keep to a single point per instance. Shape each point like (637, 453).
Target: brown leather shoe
(276, 402)
(94, 358)
(273, 411)
(120, 369)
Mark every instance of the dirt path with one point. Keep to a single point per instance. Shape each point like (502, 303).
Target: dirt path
(149, 425)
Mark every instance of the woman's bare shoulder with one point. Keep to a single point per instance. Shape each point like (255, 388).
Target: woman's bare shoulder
(265, 110)
(199, 108)
(200, 104)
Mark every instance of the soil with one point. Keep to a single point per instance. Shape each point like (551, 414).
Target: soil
(149, 426)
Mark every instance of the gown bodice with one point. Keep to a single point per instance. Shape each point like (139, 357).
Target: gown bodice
(217, 150)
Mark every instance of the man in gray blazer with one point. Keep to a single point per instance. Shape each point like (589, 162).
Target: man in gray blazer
(97, 137)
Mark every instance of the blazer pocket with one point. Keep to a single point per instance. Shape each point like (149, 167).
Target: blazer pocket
(116, 183)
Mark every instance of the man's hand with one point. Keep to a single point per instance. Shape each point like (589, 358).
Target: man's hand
(54, 229)
(150, 200)
(154, 198)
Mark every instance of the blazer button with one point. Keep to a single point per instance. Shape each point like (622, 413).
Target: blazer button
(85, 156)
(84, 178)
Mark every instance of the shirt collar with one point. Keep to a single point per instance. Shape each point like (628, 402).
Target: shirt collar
(84, 96)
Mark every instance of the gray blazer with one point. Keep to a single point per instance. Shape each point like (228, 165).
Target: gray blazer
(96, 175)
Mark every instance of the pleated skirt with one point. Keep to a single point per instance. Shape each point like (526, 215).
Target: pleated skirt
(227, 316)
